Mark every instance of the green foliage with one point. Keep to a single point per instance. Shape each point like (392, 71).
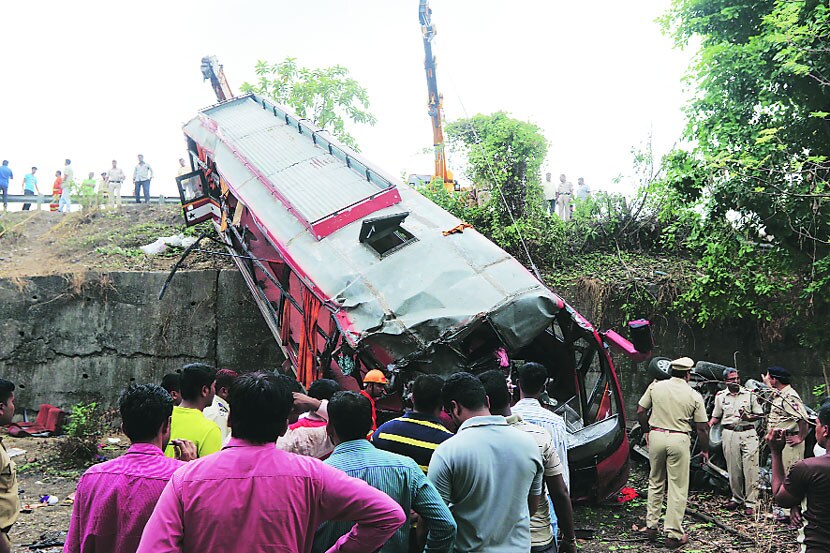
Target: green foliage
(83, 431)
(819, 393)
(504, 155)
(327, 96)
(759, 172)
(118, 250)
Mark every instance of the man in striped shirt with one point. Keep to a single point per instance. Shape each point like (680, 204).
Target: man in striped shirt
(418, 432)
(532, 379)
(350, 418)
(541, 534)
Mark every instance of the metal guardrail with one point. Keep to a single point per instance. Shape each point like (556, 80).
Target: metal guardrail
(39, 200)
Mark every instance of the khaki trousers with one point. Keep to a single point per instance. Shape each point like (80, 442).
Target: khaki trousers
(114, 199)
(791, 455)
(741, 452)
(563, 207)
(668, 453)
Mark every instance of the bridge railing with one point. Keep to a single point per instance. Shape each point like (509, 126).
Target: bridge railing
(40, 199)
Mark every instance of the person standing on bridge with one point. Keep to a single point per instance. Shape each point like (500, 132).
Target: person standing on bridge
(30, 187)
(142, 175)
(549, 189)
(564, 193)
(65, 202)
(737, 408)
(5, 176)
(114, 180)
(674, 407)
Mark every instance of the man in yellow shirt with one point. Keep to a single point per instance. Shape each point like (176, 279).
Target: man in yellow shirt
(198, 386)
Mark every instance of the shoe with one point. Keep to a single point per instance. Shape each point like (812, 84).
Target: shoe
(674, 543)
(750, 512)
(651, 534)
(732, 505)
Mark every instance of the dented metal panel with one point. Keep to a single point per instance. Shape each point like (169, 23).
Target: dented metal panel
(315, 182)
(413, 300)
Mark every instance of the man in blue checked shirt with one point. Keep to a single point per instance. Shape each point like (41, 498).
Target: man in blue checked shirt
(350, 419)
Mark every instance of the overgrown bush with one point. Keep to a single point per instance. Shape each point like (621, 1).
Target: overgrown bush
(84, 430)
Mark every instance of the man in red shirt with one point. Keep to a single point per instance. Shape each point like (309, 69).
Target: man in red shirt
(57, 190)
(252, 496)
(114, 500)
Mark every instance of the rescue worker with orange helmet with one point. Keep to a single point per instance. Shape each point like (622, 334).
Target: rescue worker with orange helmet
(374, 388)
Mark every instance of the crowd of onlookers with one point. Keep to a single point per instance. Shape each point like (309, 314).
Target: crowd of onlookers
(255, 462)
(87, 192)
(561, 197)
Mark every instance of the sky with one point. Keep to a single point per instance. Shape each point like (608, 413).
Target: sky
(101, 80)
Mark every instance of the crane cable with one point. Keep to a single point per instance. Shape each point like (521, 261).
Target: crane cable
(493, 179)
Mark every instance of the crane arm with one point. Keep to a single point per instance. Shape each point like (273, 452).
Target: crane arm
(212, 71)
(436, 100)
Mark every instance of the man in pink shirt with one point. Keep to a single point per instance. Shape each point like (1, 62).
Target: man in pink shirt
(253, 497)
(114, 499)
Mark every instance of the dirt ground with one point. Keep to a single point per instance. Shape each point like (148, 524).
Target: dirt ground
(609, 527)
(39, 475)
(619, 527)
(34, 243)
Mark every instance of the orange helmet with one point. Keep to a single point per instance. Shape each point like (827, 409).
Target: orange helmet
(375, 376)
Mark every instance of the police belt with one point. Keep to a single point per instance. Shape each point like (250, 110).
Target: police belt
(738, 427)
(670, 431)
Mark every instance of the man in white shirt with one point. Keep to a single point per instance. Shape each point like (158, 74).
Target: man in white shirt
(564, 193)
(65, 202)
(219, 410)
(583, 191)
(114, 179)
(532, 379)
(549, 188)
(142, 175)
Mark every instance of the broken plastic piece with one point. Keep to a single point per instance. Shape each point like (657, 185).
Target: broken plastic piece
(457, 229)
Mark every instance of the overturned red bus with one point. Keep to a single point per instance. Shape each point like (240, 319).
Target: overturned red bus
(354, 270)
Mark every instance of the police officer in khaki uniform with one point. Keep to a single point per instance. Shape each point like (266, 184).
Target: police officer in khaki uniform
(786, 413)
(675, 409)
(736, 408)
(9, 501)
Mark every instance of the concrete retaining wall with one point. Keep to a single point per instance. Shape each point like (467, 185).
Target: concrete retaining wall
(79, 337)
(66, 339)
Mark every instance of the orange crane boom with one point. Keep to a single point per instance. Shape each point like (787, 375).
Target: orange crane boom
(436, 100)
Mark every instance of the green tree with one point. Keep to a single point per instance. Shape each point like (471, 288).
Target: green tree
(760, 119)
(504, 153)
(327, 96)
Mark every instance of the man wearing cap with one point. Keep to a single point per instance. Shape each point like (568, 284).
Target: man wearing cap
(786, 413)
(737, 408)
(374, 387)
(674, 406)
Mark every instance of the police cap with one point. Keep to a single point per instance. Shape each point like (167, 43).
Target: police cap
(682, 364)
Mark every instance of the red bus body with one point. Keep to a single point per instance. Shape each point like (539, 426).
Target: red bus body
(353, 270)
